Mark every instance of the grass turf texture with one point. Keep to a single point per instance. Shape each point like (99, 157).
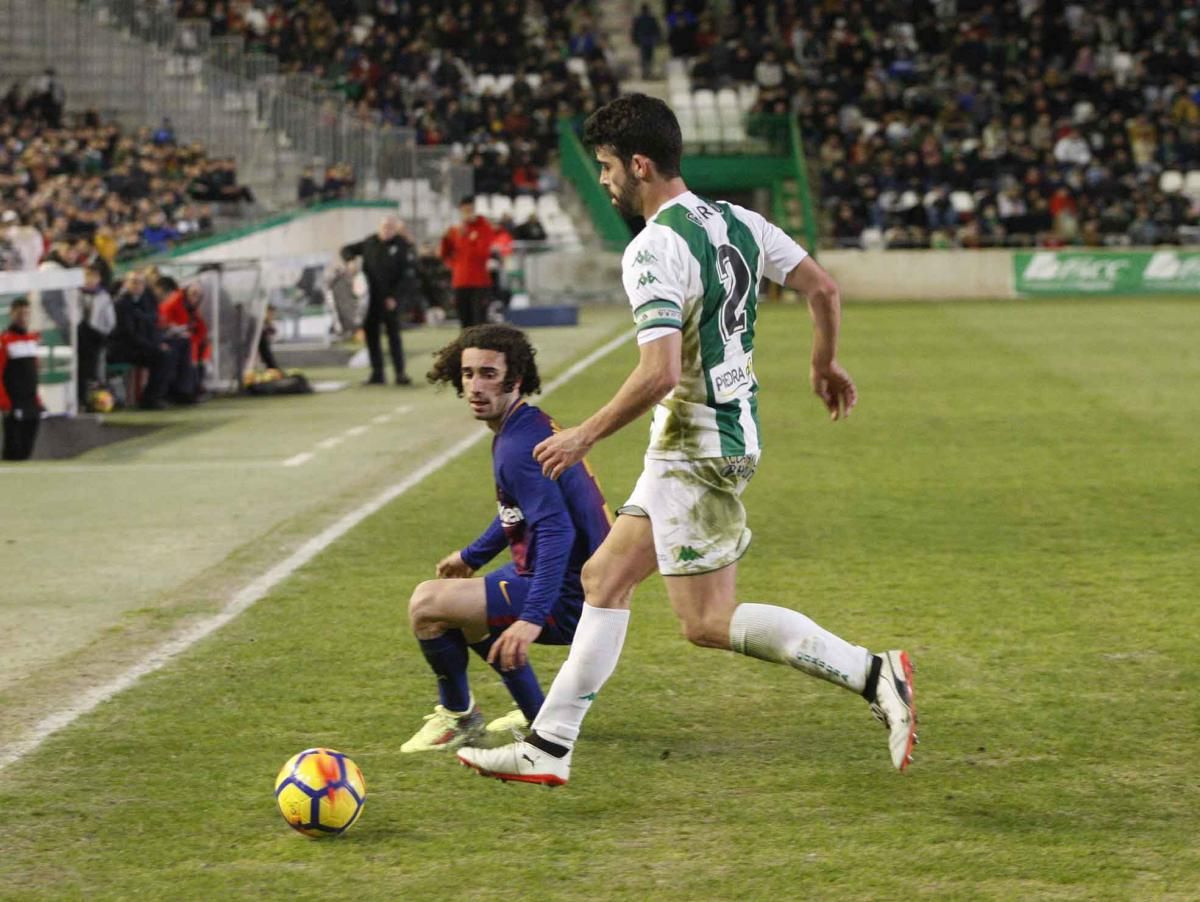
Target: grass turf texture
(1016, 501)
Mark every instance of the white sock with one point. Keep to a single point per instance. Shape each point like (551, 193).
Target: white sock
(784, 636)
(593, 657)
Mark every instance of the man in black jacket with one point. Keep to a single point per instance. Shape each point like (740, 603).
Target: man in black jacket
(137, 338)
(389, 263)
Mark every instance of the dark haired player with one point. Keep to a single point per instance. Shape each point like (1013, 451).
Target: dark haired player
(692, 276)
(550, 527)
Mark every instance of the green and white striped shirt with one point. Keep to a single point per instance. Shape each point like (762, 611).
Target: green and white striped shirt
(696, 267)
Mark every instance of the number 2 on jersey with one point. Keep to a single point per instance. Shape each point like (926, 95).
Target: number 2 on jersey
(735, 278)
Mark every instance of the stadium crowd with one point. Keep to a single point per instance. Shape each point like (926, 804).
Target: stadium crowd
(491, 79)
(975, 122)
(75, 193)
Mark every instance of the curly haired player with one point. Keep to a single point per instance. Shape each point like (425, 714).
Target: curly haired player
(549, 526)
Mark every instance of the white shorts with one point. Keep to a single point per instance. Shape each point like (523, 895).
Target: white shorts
(695, 510)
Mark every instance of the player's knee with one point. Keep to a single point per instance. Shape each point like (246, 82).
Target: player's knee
(423, 605)
(706, 632)
(602, 586)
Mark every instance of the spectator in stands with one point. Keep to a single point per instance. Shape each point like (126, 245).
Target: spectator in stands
(389, 264)
(46, 98)
(681, 30)
(466, 249)
(25, 239)
(646, 35)
(19, 402)
(97, 319)
(308, 192)
(158, 234)
(185, 330)
(137, 340)
(530, 230)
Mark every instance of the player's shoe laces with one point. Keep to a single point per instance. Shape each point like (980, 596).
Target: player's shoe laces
(446, 730)
(513, 723)
(895, 707)
(518, 761)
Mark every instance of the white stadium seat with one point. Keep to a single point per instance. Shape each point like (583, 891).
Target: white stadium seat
(681, 100)
(485, 83)
(1191, 184)
(689, 131)
(1171, 181)
(727, 98)
(962, 201)
(522, 207)
(747, 96)
(704, 99)
(548, 205)
(501, 205)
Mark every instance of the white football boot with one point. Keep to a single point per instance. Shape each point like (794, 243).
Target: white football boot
(895, 707)
(519, 762)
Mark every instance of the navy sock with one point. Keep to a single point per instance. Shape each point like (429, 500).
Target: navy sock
(447, 655)
(522, 683)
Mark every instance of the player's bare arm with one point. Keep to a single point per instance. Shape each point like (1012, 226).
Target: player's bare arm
(652, 379)
(512, 648)
(831, 383)
(452, 566)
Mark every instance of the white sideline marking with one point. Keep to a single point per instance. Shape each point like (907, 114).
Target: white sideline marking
(251, 593)
(299, 460)
(26, 469)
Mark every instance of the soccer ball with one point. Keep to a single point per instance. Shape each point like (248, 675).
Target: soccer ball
(320, 792)
(101, 401)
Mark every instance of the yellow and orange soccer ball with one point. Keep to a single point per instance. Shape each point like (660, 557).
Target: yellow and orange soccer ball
(320, 792)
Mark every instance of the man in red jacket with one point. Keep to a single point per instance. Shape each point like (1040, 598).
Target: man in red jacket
(466, 248)
(19, 401)
(179, 318)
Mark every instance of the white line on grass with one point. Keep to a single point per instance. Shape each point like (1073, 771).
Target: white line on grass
(27, 469)
(299, 460)
(249, 594)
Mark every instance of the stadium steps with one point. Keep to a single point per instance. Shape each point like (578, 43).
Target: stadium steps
(614, 21)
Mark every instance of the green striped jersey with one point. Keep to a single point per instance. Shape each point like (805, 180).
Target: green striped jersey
(696, 267)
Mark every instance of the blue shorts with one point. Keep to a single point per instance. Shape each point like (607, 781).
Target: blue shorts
(506, 591)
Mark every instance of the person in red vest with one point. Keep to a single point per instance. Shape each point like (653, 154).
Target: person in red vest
(179, 318)
(466, 248)
(19, 401)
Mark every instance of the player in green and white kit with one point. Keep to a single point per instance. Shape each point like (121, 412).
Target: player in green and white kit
(692, 278)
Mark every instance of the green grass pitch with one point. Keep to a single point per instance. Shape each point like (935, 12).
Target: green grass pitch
(1016, 501)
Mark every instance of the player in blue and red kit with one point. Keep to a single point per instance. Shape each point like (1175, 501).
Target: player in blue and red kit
(551, 528)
